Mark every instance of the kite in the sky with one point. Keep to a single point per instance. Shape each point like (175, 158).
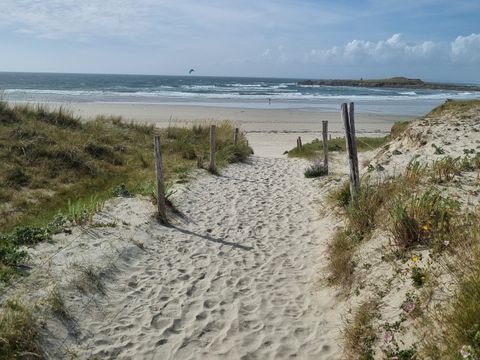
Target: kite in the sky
(191, 71)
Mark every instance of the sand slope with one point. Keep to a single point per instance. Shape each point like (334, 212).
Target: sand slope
(238, 276)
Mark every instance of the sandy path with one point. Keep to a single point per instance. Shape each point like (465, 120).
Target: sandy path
(238, 277)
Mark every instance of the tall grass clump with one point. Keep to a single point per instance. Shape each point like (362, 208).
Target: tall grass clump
(362, 211)
(359, 333)
(340, 252)
(19, 332)
(445, 170)
(316, 169)
(423, 219)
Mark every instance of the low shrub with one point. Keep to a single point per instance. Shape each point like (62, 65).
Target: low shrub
(316, 169)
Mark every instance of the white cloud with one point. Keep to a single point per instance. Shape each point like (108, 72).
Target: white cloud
(466, 48)
(396, 49)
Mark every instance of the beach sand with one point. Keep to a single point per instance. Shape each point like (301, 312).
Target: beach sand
(270, 132)
(239, 274)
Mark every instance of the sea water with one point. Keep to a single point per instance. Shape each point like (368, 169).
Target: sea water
(257, 93)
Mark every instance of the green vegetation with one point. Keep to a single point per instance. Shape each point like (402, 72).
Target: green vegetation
(340, 252)
(48, 158)
(456, 107)
(458, 322)
(423, 219)
(53, 163)
(315, 148)
(19, 332)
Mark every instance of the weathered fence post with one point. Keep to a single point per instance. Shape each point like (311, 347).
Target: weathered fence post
(325, 144)
(162, 209)
(235, 137)
(299, 143)
(348, 118)
(212, 167)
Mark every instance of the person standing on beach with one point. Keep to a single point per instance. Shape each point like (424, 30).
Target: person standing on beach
(269, 101)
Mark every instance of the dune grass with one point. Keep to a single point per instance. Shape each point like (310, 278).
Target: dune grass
(315, 148)
(19, 332)
(359, 333)
(52, 162)
(364, 143)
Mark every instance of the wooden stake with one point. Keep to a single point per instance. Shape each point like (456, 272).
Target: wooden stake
(325, 144)
(300, 147)
(351, 149)
(212, 167)
(235, 137)
(351, 119)
(162, 209)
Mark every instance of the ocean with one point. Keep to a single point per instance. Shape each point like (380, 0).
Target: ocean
(258, 93)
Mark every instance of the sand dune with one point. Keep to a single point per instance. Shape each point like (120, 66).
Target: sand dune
(237, 276)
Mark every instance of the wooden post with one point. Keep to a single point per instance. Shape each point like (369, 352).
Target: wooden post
(325, 144)
(351, 148)
(351, 119)
(162, 209)
(300, 147)
(235, 137)
(212, 167)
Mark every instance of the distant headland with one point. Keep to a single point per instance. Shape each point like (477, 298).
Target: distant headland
(394, 82)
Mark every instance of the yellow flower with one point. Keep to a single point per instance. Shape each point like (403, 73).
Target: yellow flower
(414, 259)
(426, 227)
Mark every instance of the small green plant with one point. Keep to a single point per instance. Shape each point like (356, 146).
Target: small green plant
(81, 212)
(438, 150)
(418, 276)
(121, 191)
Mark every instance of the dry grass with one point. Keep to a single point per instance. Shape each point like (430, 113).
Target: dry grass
(340, 253)
(359, 332)
(19, 332)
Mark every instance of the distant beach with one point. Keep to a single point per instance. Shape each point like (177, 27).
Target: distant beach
(270, 131)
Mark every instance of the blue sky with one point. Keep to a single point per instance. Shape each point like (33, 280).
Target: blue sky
(431, 39)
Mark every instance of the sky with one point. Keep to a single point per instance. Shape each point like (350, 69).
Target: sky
(435, 40)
